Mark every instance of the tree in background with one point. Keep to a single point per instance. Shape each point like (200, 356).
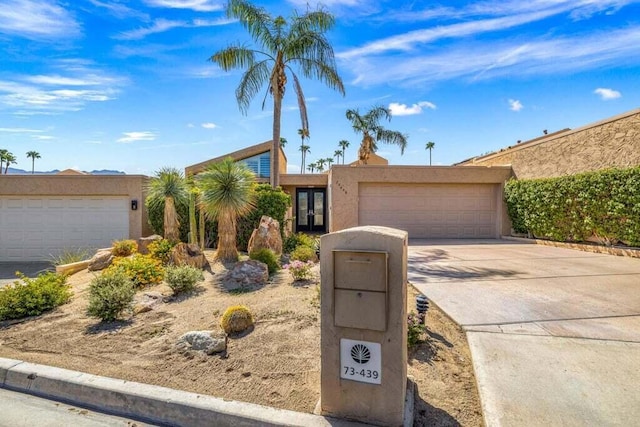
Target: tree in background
(329, 161)
(33, 155)
(304, 149)
(320, 165)
(281, 43)
(283, 142)
(9, 160)
(429, 146)
(336, 155)
(304, 134)
(343, 144)
(369, 126)
(168, 187)
(227, 193)
(311, 167)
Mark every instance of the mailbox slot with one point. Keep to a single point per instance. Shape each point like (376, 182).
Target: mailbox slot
(360, 289)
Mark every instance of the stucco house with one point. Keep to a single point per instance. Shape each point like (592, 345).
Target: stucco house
(43, 214)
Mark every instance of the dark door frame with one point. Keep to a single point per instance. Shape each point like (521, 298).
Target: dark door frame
(311, 226)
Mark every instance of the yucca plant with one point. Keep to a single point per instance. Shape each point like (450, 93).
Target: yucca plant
(227, 192)
(168, 187)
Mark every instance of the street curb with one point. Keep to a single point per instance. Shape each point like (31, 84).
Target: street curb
(149, 403)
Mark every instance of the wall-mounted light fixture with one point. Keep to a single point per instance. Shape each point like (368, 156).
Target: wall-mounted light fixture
(134, 205)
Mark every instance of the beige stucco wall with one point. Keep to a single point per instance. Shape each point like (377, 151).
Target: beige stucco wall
(344, 184)
(613, 142)
(132, 186)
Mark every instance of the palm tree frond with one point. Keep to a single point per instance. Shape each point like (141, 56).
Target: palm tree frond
(227, 186)
(234, 57)
(252, 80)
(302, 106)
(168, 182)
(254, 19)
(392, 137)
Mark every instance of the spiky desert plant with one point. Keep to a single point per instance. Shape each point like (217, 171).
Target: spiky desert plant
(169, 187)
(236, 319)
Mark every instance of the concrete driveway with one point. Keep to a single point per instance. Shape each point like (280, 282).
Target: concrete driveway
(29, 269)
(554, 333)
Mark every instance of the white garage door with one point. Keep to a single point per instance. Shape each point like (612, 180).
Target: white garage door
(431, 210)
(35, 228)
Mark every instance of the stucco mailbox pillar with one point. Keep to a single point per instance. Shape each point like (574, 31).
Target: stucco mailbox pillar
(364, 324)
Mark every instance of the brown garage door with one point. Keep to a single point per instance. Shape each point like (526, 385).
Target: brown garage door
(431, 210)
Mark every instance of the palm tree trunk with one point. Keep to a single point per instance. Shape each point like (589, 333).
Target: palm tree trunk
(33, 165)
(227, 237)
(171, 224)
(429, 156)
(275, 161)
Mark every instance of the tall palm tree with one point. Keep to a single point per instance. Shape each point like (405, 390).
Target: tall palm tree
(320, 164)
(3, 153)
(336, 155)
(169, 187)
(311, 167)
(9, 159)
(33, 155)
(304, 133)
(281, 44)
(304, 149)
(369, 126)
(429, 146)
(228, 192)
(283, 142)
(343, 144)
(329, 161)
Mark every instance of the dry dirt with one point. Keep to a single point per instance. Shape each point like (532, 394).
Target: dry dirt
(275, 364)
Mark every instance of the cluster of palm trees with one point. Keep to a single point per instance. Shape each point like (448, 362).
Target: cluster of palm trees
(7, 158)
(222, 193)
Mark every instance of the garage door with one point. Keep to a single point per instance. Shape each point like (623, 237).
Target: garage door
(431, 210)
(34, 228)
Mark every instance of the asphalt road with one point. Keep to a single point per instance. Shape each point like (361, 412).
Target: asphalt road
(29, 269)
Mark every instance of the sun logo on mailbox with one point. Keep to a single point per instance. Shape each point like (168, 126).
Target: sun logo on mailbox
(360, 354)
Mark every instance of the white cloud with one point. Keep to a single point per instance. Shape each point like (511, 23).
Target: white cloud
(20, 130)
(191, 125)
(197, 5)
(137, 136)
(43, 137)
(515, 105)
(607, 94)
(37, 20)
(212, 22)
(209, 125)
(403, 110)
(158, 26)
(120, 11)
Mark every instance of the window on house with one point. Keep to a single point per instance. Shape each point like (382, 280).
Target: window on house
(260, 164)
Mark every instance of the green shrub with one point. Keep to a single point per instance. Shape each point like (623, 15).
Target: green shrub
(31, 297)
(69, 256)
(236, 319)
(269, 201)
(268, 257)
(304, 254)
(124, 247)
(182, 279)
(110, 294)
(415, 329)
(299, 239)
(161, 250)
(155, 213)
(605, 204)
(142, 270)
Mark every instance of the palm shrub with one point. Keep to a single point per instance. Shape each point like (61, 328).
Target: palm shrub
(183, 278)
(268, 257)
(32, 297)
(227, 193)
(142, 270)
(282, 44)
(110, 294)
(167, 189)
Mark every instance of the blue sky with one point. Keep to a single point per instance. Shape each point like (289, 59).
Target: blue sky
(116, 84)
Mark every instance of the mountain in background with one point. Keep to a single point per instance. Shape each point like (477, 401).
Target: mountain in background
(13, 171)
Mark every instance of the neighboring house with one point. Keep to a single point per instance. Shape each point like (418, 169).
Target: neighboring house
(41, 215)
(609, 143)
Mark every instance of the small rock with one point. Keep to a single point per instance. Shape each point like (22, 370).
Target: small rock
(144, 242)
(205, 341)
(250, 272)
(188, 254)
(147, 302)
(101, 260)
(266, 236)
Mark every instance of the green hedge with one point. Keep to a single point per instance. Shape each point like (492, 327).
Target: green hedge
(605, 204)
(155, 212)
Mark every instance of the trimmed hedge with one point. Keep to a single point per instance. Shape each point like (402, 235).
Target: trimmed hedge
(605, 204)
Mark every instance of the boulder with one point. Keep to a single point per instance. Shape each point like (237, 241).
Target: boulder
(147, 302)
(250, 272)
(267, 235)
(143, 243)
(101, 260)
(206, 341)
(188, 254)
